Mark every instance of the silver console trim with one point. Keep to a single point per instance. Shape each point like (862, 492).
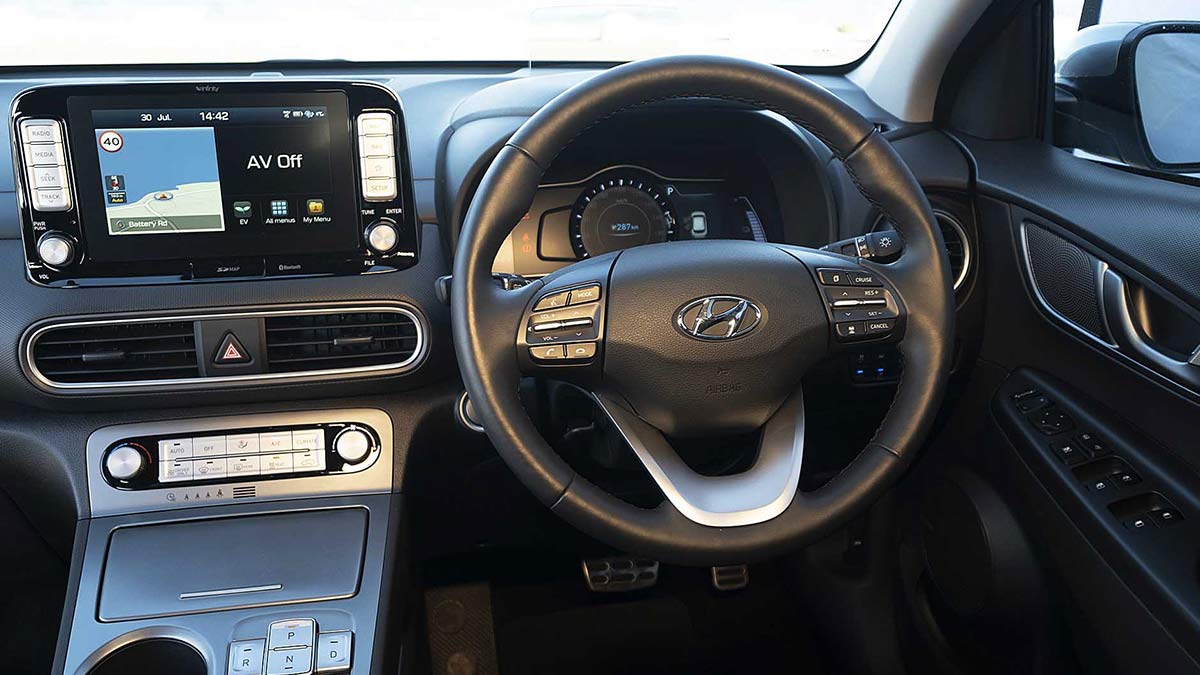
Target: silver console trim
(105, 500)
(29, 340)
(221, 592)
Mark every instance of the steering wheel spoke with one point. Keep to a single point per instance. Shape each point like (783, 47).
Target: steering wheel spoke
(753, 496)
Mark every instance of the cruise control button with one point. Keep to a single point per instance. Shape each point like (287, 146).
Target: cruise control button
(547, 353)
(586, 294)
(291, 633)
(851, 330)
(289, 661)
(864, 279)
(553, 301)
(834, 277)
(835, 294)
(863, 314)
(246, 657)
(880, 327)
(583, 350)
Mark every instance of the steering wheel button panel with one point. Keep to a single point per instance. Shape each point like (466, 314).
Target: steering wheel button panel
(553, 301)
(834, 277)
(864, 279)
(584, 295)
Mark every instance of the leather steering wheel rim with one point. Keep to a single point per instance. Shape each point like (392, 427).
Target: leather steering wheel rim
(483, 323)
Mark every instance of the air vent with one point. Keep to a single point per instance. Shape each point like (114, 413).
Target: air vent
(309, 342)
(958, 247)
(115, 352)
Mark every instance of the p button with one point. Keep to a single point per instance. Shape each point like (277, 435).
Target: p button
(291, 633)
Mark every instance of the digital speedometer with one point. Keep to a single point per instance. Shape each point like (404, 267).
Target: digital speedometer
(620, 210)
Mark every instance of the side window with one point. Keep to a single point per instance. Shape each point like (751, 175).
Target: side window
(1127, 82)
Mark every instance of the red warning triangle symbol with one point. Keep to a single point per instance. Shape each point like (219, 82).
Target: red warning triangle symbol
(231, 352)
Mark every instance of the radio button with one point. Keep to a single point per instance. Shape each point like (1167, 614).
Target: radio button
(204, 469)
(375, 124)
(275, 441)
(308, 439)
(52, 199)
(173, 472)
(378, 167)
(175, 448)
(208, 446)
(41, 131)
(243, 466)
(47, 176)
(44, 154)
(376, 146)
(379, 189)
(278, 463)
(237, 444)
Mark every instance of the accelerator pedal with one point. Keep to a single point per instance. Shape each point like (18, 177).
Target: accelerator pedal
(619, 574)
(730, 577)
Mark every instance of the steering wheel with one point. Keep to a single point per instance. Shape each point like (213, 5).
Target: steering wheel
(702, 338)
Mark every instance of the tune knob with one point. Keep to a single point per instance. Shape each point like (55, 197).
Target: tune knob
(383, 235)
(56, 249)
(353, 445)
(124, 462)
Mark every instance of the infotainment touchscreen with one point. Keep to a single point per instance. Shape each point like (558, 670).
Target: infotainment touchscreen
(164, 177)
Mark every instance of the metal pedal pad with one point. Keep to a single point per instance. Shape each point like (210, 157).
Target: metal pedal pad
(617, 575)
(730, 577)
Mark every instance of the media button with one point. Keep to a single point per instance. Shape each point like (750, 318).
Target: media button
(44, 154)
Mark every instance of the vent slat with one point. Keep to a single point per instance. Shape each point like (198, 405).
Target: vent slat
(339, 340)
(117, 352)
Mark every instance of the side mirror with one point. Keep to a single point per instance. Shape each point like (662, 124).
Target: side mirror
(1132, 93)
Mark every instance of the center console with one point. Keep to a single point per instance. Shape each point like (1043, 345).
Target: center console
(184, 182)
(286, 570)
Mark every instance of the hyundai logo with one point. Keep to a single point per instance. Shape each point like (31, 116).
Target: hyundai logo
(718, 317)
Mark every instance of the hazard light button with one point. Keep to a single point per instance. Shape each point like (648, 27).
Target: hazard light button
(231, 352)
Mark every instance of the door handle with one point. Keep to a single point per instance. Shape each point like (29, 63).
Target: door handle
(1129, 340)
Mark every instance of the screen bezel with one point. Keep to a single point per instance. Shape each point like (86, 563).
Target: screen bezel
(339, 237)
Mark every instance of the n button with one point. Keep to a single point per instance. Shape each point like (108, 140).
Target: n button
(231, 352)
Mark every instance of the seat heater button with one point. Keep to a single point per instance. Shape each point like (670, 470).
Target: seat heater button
(586, 294)
(173, 472)
(582, 350)
(277, 463)
(208, 446)
(374, 123)
(246, 657)
(290, 661)
(174, 448)
(41, 131)
(553, 301)
(834, 277)
(291, 633)
(206, 469)
(547, 353)
(333, 651)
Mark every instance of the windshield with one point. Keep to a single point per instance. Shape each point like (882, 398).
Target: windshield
(87, 32)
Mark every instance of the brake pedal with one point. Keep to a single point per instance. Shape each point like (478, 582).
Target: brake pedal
(619, 574)
(730, 577)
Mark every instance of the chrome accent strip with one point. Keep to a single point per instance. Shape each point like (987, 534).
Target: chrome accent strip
(946, 217)
(230, 591)
(189, 637)
(756, 495)
(411, 363)
(374, 477)
(1101, 267)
